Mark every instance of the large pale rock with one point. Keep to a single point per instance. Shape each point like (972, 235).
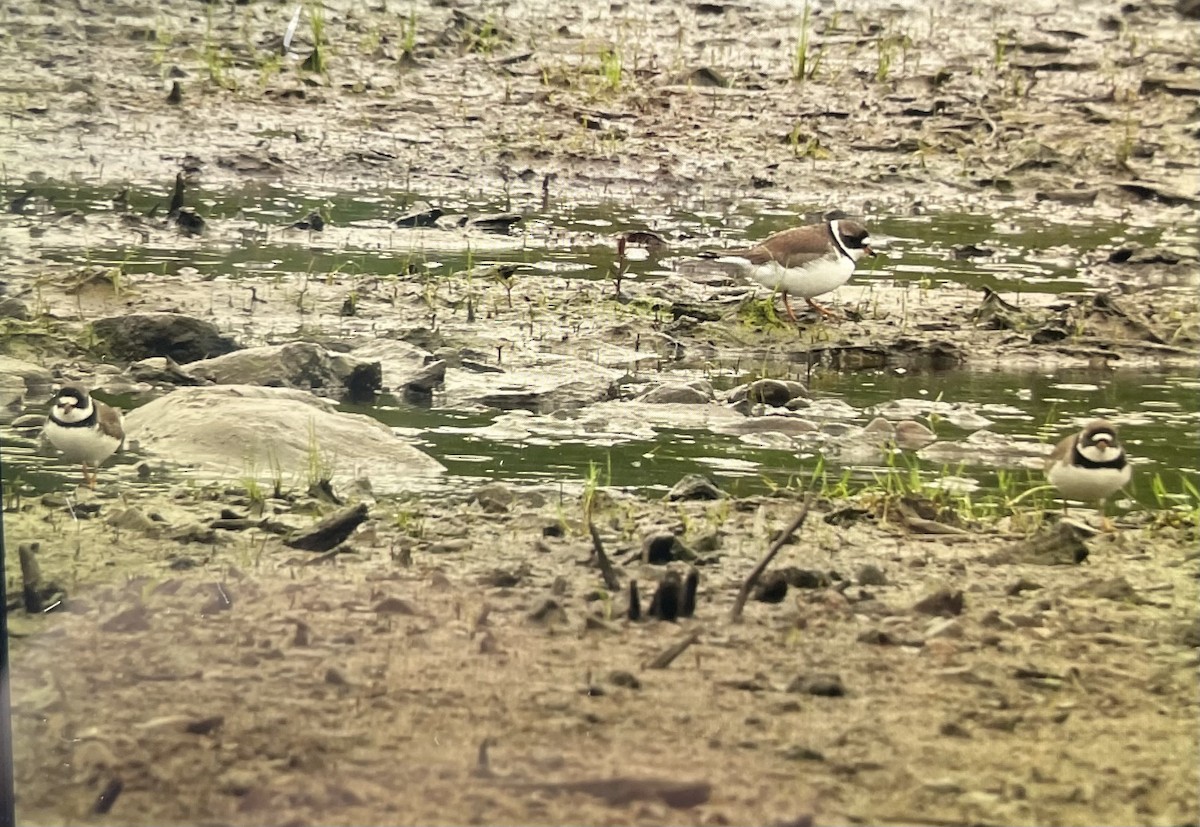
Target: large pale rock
(299, 365)
(232, 431)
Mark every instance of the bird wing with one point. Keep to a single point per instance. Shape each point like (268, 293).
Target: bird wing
(1061, 451)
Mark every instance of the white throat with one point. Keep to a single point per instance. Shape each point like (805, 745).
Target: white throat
(76, 413)
(1104, 452)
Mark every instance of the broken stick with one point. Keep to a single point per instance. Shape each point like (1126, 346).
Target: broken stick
(756, 572)
(606, 570)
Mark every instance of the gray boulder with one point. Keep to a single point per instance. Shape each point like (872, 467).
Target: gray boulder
(299, 365)
(135, 336)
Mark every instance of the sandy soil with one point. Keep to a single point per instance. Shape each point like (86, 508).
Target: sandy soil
(197, 675)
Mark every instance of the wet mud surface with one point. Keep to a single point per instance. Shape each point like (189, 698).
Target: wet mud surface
(458, 659)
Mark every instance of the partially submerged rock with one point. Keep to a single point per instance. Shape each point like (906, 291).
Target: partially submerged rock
(300, 365)
(237, 430)
(135, 336)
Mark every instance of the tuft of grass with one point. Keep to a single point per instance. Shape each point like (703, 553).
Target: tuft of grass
(886, 49)
(611, 68)
(319, 467)
(805, 61)
(317, 61)
(408, 34)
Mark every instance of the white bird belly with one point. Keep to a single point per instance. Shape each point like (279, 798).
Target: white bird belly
(818, 278)
(81, 444)
(1088, 484)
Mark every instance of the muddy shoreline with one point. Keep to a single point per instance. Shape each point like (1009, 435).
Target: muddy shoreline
(458, 659)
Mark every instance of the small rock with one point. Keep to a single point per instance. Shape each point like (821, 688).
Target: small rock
(204, 726)
(876, 637)
(871, 575)
(505, 578)
(913, 436)
(826, 685)
(772, 587)
(945, 602)
(677, 394)
(776, 393)
(625, 679)
(695, 487)
(495, 498)
(1021, 585)
(663, 547)
(799, 752)
(421, 214)
(334, 677)
(500, 222)
(549, 613)
(426, 379)
(394, 606)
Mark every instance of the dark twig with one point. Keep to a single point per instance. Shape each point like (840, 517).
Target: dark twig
(756, 573)
(606, 570)
(664, 658)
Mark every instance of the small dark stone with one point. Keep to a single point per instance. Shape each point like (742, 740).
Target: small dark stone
(798, 752)
(805, 578)
(314, 221)
(660, 549)
(871, 575)
(505, 578)
(772, 587)
(826, 685)
(553, 530)
(972, 251)
(876, 637)
(668, 597)
(176, 94)
(204, 726)
(394, 606)
(494, 222)
(188, 221)
(334, 677)
(1022, 585)
(420, 215)
(946, 603)
(625, 679)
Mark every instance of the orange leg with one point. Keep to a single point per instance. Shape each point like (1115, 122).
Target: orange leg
(787, 306)
(824, 311)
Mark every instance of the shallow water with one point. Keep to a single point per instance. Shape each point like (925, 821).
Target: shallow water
(1031, 251)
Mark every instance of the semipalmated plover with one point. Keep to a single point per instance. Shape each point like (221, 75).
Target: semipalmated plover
(84, 429)
(803, 261)
(1089, 466)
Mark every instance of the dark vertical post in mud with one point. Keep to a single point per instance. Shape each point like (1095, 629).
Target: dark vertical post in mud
(8, 816)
